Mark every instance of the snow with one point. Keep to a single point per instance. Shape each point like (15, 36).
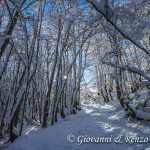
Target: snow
(100, 5)
(96, 120)
(131, 95)
(15, 131)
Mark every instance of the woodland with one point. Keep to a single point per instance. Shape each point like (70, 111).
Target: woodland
(51, 50)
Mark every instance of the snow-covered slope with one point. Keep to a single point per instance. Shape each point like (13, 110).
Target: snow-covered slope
(97, 119)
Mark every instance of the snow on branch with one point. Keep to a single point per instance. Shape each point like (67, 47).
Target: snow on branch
(102, 7)
(126, 67)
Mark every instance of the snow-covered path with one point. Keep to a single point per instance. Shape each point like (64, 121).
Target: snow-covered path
(95, 120)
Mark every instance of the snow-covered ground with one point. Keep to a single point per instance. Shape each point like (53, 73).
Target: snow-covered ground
(94, 122)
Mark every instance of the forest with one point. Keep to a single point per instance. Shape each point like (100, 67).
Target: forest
(55, 52)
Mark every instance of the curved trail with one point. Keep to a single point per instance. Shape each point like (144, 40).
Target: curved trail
(95, 120)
